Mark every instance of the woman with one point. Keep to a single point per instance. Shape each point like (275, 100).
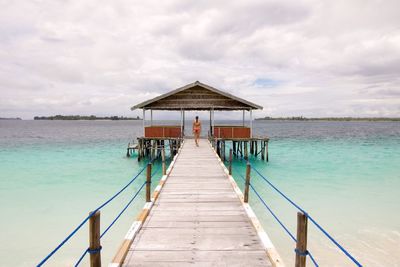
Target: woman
(196, 130)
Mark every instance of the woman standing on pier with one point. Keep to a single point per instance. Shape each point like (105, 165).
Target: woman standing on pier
(196, 130)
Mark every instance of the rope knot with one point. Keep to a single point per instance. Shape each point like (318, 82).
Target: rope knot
(94, 251)
(301, 253)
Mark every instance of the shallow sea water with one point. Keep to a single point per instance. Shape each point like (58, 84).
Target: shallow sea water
(345, 174)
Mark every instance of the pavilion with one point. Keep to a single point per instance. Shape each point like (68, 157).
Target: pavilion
(197, 96)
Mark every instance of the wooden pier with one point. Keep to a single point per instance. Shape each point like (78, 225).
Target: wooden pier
(198, 217)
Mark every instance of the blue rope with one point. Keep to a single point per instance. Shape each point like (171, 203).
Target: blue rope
(123, 210)
(88, 217)
(312, 259)
(309, 253)
(311, 219)
(273, 214)
(81, 258)
(334, 241)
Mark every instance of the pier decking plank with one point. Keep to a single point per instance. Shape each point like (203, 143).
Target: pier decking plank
(198, 219)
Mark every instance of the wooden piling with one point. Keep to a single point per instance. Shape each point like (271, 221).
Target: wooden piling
(148, 183)
(247, 183)
(230, 161)
(164, 167)
(246, 155)
(263, 150)
(153, 149)
(266, 151)
(223, 151)
(127, 150)
(94, 240)
(301, 244)
(139, 150)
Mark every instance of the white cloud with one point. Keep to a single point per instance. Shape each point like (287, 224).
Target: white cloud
(323, 58)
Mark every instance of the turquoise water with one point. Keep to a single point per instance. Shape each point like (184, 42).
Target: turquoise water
(346, 175)
(349, 184)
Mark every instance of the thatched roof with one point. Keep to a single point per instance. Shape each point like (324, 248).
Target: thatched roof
(197, 96)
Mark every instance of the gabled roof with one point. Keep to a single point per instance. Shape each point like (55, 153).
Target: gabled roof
(197, 96)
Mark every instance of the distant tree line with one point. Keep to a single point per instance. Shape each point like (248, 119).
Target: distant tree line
(79, 117)
(301, 118)
(10, 118)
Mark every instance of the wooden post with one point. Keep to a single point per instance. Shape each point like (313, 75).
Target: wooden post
(234, 147)
(139, 151)
(223, 150)
(301, 245)
(94, 240)
(230, 161)
(266, 150)
(153, 149)
(148, 183)
(164, 168)
(256, 152)
(262, 150)
(247, 184)
(246, 155)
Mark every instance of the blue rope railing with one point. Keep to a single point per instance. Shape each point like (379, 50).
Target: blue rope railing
(275, 216)
(311, 219)
(114, 221)
(355, 261)
(65, 240)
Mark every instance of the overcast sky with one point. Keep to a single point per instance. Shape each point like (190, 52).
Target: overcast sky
(310, 58)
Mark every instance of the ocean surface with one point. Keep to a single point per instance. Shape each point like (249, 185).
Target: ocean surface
(345, 174)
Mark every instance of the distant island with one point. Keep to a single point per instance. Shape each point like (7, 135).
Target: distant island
(301, 118)
(79, 117)
(18, 119)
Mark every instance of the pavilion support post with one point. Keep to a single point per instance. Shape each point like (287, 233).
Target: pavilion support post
(183, 123)
(144, 122)
(243, 118)
(266, 151)
(251, 123)
(234, 147)
(213, 121)
(151, 117)
(211, 130)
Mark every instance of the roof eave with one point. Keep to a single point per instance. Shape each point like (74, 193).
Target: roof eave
(143, 105)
